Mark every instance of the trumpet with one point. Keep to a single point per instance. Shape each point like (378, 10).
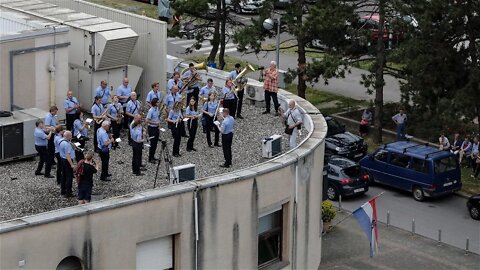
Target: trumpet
(101, 117)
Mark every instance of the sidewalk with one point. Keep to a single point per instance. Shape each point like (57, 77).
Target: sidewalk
(347, 247)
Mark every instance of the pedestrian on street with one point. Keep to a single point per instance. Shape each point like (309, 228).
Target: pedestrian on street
(400, 120)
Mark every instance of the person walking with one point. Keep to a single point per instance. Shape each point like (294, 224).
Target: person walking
(400, 120)
(270, 86)
(293, 121)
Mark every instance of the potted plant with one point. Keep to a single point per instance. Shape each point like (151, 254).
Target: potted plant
(328, 214)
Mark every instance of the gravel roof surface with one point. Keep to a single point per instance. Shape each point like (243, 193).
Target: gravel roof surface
(22, 193)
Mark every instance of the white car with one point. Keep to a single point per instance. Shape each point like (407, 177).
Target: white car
(245, 6)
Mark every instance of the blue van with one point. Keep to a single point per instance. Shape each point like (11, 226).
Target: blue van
(421, 169)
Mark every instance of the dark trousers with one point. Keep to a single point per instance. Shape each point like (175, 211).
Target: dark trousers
(210, 125)
(153, 133)
(95, 143)
(227, 140)
(137, 156)
(67, 178)
(177, 137)
(79, 154)
(240, 102)
(105, 158)
(165, 19)
(44, 159)
(116, 132)
(125, 121)
(231, 104)
(51, 149)
(273, 95)
(59, 168)
(192, 132)
(70, 118)
(194, 94)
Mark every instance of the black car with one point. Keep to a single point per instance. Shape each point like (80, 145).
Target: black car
(343, 143)
(473, 205)
(345, 178)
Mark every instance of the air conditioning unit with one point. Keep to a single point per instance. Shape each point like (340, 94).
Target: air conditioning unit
(271, 146)
(254, 90)
(185, 172)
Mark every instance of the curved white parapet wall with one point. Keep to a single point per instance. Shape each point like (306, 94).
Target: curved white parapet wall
(213, 223)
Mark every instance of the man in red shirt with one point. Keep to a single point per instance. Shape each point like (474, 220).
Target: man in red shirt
(270, 86)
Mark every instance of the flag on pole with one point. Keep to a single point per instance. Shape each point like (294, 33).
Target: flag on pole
(366, 216)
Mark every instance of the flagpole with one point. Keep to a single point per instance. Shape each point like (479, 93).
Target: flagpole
(351, 214)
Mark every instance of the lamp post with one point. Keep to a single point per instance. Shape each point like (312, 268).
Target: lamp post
(268, 24)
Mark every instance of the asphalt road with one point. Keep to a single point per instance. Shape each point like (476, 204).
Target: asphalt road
(448, 214)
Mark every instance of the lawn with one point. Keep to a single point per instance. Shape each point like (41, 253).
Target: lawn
(329, 103)
(311, 53)
(367, 64)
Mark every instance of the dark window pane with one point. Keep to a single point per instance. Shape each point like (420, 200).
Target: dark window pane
(445, 165)
(399, 160)
(268, 248)
(420, 165)
(381, 155)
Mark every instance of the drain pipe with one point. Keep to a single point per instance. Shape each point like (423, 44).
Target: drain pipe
(13, 53)
(195, 203)
(294, 221)
(51, 69)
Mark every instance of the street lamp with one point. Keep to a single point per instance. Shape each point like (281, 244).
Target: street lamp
(268, 24)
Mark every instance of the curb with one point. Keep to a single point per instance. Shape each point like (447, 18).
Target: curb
(462, 194)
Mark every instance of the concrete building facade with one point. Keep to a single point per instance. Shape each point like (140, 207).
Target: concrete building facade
(37, 51)
(267, 216)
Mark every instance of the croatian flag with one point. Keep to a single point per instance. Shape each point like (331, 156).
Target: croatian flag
(366, 216)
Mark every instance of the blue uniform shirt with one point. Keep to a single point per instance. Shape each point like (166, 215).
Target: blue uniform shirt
(51, 120)
(133, 107)
(234, 74)
(170, 100)
(56, 141)
(136, 133)
(191, 112)
(227, 125)
(97, 110)
(151, 95)
(123, 91)
(171, 83)
(70, 103)
(64, 148)
(153, 115)
(40, 137)
(173, 115)
(77, 125)
(104, 93)
(114, 110)
(210, 106)
(205, 91)
(102, 137)
(228, 93)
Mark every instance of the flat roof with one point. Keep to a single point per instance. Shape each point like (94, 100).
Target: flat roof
(15, 25)
(62, 15)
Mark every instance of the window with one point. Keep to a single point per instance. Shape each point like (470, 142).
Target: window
(399, 160)
(156, 254)
(270, 238)
(420, 165)
(70, 263)
(445, 165)
(381, 155)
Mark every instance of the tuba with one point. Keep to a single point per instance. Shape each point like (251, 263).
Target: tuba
(195, 77)
(240, 81)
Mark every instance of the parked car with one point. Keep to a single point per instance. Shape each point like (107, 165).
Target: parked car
(245, 6)
(418, 168)
(473, 205)
(345, 178)
(343, 143)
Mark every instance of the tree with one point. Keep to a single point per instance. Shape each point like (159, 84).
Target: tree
(326, 19)
(442, 62)
(207, 25)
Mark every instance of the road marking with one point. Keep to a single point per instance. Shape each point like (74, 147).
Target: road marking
(233, 49)
(183, 41)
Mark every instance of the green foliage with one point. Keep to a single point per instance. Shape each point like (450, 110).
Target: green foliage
(328, 211)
